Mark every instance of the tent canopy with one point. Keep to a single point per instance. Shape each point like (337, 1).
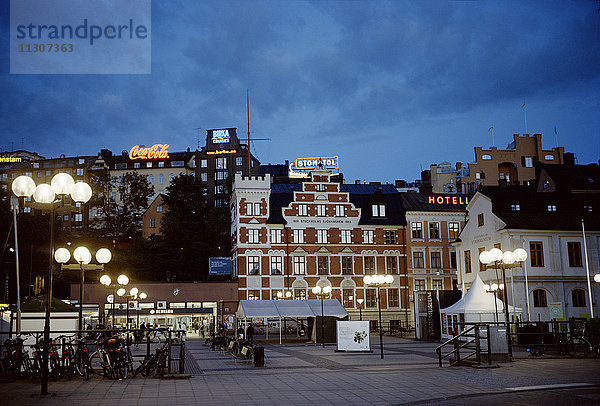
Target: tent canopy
(477, 300)
(290, 308)
(38, 304)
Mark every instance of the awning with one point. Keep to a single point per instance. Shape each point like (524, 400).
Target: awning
(290, 308)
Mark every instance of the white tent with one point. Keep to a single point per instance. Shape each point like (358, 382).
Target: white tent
(476, 306)
(278, 309)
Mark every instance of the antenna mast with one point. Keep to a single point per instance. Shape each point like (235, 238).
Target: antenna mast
(248, 113)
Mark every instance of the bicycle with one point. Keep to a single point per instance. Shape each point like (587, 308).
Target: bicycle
(155, 364)
(99, 361)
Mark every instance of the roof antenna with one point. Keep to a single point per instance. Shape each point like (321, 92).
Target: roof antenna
(198, 129)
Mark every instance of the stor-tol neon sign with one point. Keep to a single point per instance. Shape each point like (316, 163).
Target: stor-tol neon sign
(157, 151)
(448, 200)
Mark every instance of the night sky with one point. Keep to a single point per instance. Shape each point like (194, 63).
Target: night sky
(390, 87)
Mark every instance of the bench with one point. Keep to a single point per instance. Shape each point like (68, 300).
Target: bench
(245, 355)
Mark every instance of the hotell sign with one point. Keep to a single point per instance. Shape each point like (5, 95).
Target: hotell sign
(157, 151)
(454, 200)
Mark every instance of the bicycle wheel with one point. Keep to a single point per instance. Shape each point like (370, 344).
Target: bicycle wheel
(579, 347)
(82, 364)
(98, 364)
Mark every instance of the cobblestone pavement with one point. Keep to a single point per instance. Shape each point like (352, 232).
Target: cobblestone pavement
(296, 374)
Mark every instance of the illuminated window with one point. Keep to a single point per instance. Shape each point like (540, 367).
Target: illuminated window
(453, 230)
(486, 157)
(161, 164)
(276, 265)
(159, 209)
(321, 236)
(346, 236)
(152, 223)
(300, 294)
(515, 207)
(26, 209)
(368, 237)
(148, 164)
(302, 209)
(587, 208)
(320, 210)
(203, 177)
(203, 163)
(391, 265)
(221, 163)
(136, 165)
(416, 230)
(254, 295)
(369, 265)
(434, 231)
(340, 210)
(299, 265)
(418, 259)
(527, 161)
(299, 236)
(36, 165)
(253, 265)
(551, 207)
(253, 237)
(322, 265)
(238, 161)
(79, 171)
(276, 236)
(378, 210)
(347, 266)
(179, 164)
(549, 157)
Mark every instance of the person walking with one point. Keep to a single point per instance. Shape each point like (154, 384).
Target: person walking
(250, 334)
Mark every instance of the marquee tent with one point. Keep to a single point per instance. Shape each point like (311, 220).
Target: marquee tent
(476, 306)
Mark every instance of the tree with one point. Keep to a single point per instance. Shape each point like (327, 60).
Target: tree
(120, 202)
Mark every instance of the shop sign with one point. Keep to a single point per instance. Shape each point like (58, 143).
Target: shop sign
(220, 136)
(222, 151)
(10, 159)
(454, 200)
(312, 163)
(157, 151)
(219, 266)
(161, 311)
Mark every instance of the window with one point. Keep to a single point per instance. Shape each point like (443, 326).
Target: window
(159, 209)
(253, 265)
(368, 236)
(117, 166)
(371, 298)
(419, 284)
(378, 210)
(416, 230)
(48, 173)
(66, 217)
(348, 297)
(238, 161)
(320, 187)
(340, 210)
(37, 165)
(203, 177)
(276, 265)
(467, 261)
(276, 236)
(434, 231)
(527, 161)
(161, 179)
(587, 208)
(171, 177)
(437, 284)
(369, 265)
(299, 264)
(39, 175)
(321, 236)
(77, 217)
(79, 171)
(177, 164)
(203, 163)
(480, 220)
(486, 157)
(539, 298)
(299, 236)
(302, 209)
(418, 259)
(436, 259)
(254, 295)
(151, 179)
(391, 265)
(390, 237)
(453, 230)
(578, 297)
(536, 253)
(253, 209)
(551, 207)
(393, 299)
(321, 210)
(549, 157)
(152, 223)
(347, 266)
(161, 164)
(574, 249)
(322, 265)
(136, 165)
(253, 237)
(453, 259)
(27, 209)
(221, 163)
(346, 236)
(300, 294)
(148, 164)
(515, 207)
(505, 176)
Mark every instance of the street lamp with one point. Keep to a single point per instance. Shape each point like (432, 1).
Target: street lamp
(62, 184)
(142, 296)
(506, 259)
(122, 280)
(322, 292)
(360, 302)
(83, 257)
(493, 289)
(379, 281)
(133, 294)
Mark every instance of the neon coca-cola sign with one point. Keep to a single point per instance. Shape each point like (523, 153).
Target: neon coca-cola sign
(157, 151)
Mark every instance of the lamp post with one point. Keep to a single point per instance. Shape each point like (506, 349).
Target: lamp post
(379, 281)
(142, 296)
(133, 293)
(62, 184)
(83, 257)
(360, 302)
(122, 280)
(506, 259)
(322, 292)
(493, 289)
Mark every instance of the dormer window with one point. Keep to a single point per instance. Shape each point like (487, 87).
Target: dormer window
(378, 210)
(551, 207)
(486, 157)
(515, 207)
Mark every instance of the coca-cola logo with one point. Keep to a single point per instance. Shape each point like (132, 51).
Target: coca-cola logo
(157, 151)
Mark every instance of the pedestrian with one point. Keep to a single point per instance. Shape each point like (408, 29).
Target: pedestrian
(250, 333)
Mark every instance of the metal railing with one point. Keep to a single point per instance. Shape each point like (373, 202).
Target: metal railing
(468, 340)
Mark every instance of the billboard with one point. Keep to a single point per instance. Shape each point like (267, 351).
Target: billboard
(312, 163)
(353, 336)
(220, 136)
(219, 266)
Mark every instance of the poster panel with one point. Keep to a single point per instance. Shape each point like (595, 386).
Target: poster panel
(353, 336)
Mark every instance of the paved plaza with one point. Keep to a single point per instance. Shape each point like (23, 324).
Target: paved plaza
(298, 374)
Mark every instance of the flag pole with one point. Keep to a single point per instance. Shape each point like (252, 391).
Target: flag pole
(492, 130)
(525, 113)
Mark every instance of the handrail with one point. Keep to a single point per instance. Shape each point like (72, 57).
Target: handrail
(457, 346)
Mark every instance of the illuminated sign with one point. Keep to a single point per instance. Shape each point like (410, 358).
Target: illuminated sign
(222, 151)
(220, 136)
(448, 200)
(161, 311)
(157, 151)
(312, 163)
(10, 159)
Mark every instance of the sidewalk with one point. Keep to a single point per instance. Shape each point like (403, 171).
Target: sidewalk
(308, 374)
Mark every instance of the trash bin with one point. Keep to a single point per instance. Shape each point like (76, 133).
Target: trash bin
(259, 356)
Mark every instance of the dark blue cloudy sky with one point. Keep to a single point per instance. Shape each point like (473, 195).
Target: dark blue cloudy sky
(390, 87)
